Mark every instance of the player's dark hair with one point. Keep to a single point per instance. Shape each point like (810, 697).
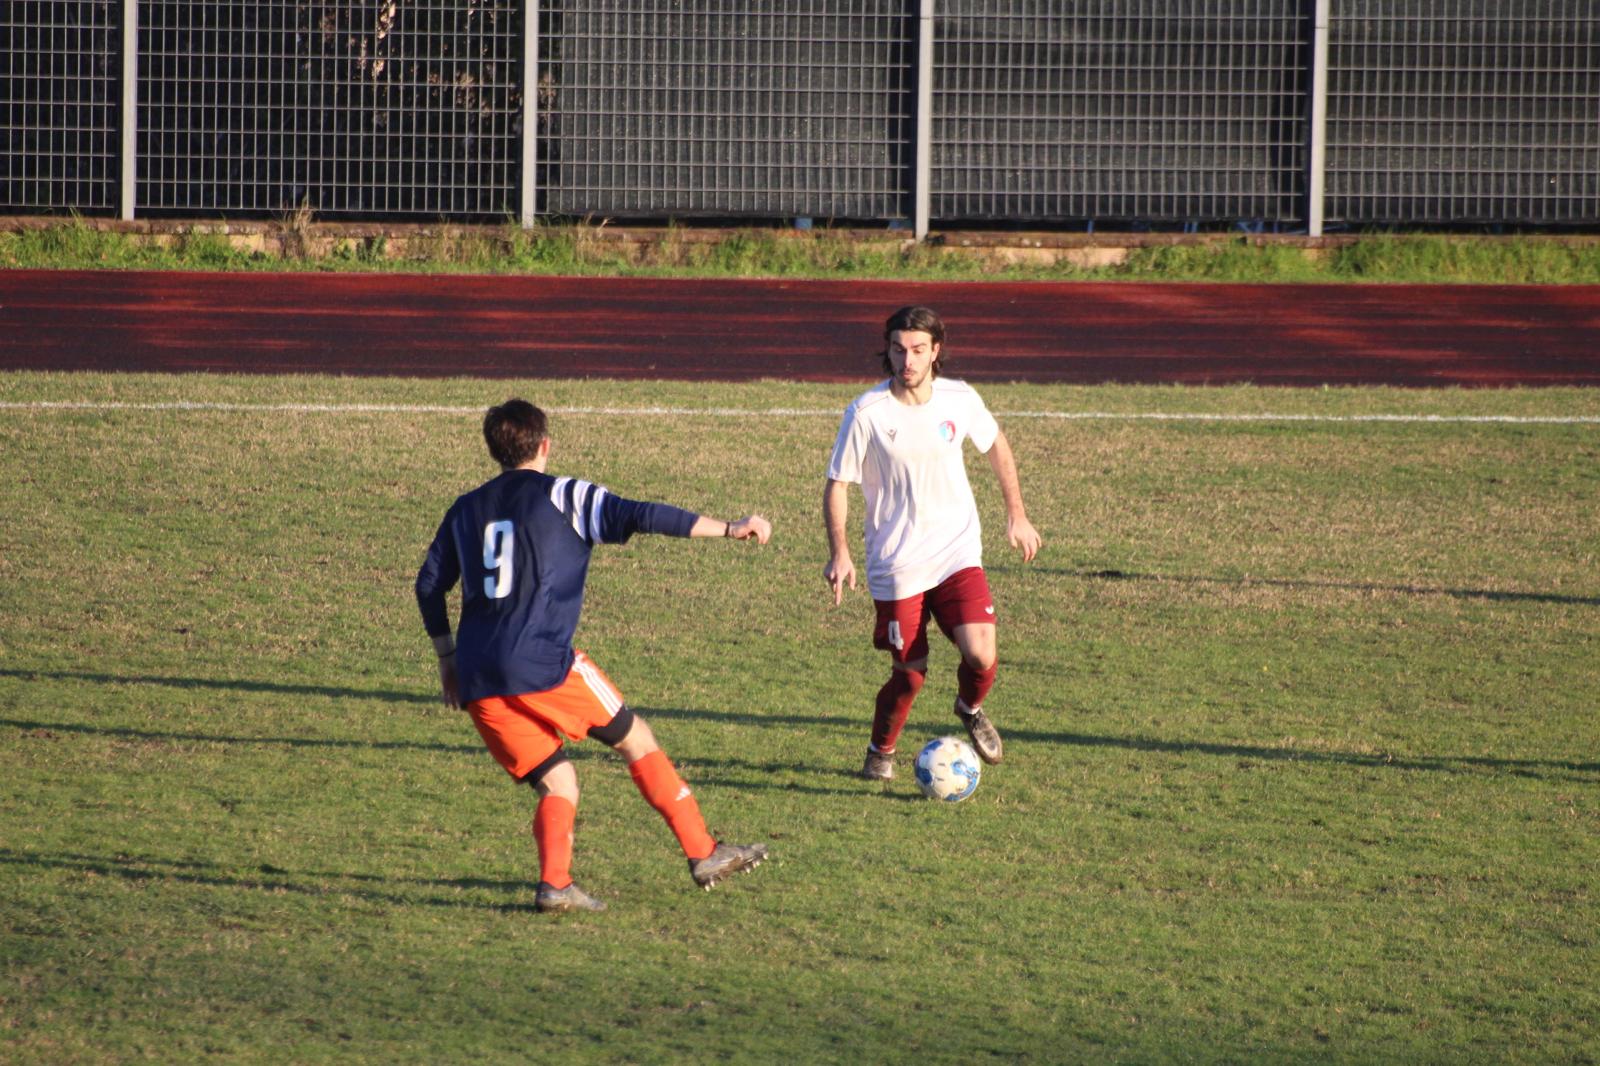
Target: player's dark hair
(514, 430)
(920, 319)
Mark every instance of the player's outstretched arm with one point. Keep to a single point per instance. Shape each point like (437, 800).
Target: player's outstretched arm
(1019, 531)
(841, 569)
(752, 527)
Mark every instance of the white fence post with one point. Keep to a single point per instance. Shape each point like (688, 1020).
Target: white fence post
(1317, 157)
(530, 112)
(128, 181)
(923, 149)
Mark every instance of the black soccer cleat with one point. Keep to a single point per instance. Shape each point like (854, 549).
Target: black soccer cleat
(985, 737)
(726, 859)
(879, 766)
(550, 900)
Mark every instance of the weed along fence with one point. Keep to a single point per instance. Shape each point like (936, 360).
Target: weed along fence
(1284, 115)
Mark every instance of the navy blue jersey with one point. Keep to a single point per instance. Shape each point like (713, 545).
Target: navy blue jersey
(520, 547)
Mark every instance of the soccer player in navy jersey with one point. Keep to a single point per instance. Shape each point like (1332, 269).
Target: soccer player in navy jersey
(901, 441)
(519, 545)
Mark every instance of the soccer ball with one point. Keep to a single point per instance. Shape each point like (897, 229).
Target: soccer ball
(947, 769)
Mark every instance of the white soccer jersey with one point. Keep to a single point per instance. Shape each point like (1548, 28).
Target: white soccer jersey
(921, 520)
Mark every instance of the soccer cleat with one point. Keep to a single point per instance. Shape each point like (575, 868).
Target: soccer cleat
(879, 766)
(985, 737)
(726, 859)
(550, 900)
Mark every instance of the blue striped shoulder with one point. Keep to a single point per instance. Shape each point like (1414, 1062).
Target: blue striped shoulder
(599, 516)
(583, 505)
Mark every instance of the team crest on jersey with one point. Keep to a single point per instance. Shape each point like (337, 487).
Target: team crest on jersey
(947, 430)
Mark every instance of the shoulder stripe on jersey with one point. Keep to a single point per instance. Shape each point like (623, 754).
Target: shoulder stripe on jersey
(580, 511)
(597, 529)
(570, 496)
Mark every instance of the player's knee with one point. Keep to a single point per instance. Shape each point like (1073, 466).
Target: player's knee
(552, 775)
(615, 731)
(629, 737)
(907, 681)
(981, 660)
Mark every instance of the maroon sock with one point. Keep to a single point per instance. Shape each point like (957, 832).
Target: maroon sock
(894, 705)
(974, 685)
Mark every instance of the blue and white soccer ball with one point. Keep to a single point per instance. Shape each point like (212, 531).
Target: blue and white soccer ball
(947, 769)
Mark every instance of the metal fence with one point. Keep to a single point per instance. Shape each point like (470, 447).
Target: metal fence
(1441, 113)
(692, 108)
(1163, 112)
(1290, 114)
(406, 107)
(60, 105)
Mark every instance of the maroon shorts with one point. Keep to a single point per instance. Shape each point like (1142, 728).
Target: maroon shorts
(960, 599)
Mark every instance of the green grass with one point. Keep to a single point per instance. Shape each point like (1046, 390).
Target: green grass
(586, 250)
(1301, 722)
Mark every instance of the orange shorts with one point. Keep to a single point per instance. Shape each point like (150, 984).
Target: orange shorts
(523, 731)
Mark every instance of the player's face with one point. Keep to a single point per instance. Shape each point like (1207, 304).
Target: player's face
(911, 353)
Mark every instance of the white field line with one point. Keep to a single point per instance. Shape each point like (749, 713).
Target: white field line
(788, 412)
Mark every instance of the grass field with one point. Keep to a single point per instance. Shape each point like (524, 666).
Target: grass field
(758, 252)
(1303, 723)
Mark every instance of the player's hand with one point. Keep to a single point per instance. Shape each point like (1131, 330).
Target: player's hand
(449, 685)
(1023, 537)
(837, 572)
(754, 526)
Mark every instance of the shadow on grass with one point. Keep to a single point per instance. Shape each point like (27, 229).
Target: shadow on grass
(1379, 760)
(1454, 764)
(736, 775)
(768, 775)
(46, 730)
(268, 878)
(1490, 595)
(229, 685)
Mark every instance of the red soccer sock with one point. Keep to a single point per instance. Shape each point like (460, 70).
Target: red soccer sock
(663, 789)
(552, 831)
(893, 707)
(974, 685)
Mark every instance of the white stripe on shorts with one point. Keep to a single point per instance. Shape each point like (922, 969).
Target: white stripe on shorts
(608, 696)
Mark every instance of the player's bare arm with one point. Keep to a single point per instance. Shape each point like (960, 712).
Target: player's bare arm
(752, 527)
(449, 687)
(835, 511)
(1019, 531)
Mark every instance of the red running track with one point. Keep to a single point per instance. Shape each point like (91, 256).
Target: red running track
(432, 326)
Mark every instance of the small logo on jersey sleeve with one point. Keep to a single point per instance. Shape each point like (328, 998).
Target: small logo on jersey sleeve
(947, 430)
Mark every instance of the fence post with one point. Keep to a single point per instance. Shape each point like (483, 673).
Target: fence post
(922, 151)
(1317, 157)
(530, 112)
(128, 180)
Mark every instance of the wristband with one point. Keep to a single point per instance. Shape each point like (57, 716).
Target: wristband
(727, 529)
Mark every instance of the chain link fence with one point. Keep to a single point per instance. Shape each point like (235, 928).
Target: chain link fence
(897, 112)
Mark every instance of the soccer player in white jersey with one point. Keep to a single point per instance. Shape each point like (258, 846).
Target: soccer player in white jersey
(518, 545)
(902, 442)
